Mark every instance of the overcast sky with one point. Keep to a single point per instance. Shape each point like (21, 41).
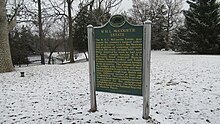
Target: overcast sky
(127, 4)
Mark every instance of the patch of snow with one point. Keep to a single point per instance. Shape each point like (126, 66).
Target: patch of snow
(184, 89)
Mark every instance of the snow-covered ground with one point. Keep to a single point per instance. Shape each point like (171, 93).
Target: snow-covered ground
(184, 90)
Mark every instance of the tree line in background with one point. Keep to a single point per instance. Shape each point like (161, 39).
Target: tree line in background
(200, 32)
(197, 31)
(49, 26)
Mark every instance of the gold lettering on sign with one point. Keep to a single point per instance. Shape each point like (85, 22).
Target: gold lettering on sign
(119, 60)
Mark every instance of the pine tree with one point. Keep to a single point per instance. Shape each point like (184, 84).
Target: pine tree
(97, 17)
(22, 43)
(80, 31)
(202, 23)
(158, 26)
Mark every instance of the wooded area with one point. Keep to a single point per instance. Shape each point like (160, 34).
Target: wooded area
(52, 25)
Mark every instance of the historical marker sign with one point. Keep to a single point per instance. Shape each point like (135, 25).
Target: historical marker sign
(119, 57)
(119, 60)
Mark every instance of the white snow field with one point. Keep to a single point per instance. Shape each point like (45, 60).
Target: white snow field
(185, 89)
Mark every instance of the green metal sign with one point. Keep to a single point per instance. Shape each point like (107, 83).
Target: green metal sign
(119, 57)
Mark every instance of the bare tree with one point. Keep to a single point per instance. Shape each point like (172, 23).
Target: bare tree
(165, 16)
(173, 17)
(40, 32)
(60, 12)
(140, 11)
(70, 20)
(155, 11)
(40, 20)
(5, 55)
(100, 10)
(6, 24)
(52, 45)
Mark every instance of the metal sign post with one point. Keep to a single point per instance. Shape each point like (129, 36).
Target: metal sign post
(91, 50)
(146, 71)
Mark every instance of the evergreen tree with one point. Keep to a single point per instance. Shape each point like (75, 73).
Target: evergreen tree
(181, 40)
(22, 44)
(202, 23)
(80, 31)
(97, 17)
(158, 26)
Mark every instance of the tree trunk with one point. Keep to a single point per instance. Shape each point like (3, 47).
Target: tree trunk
(5, 54)
(50, 56)
(86, 56)
(52, 51)
(69, 2)
(41, 33)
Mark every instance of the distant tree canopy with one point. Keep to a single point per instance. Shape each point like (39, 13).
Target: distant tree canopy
(201, 30)
(140, 12)
(95, 17)
(23, 43)
(80, 31)
(99, 17)
(164, 16)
